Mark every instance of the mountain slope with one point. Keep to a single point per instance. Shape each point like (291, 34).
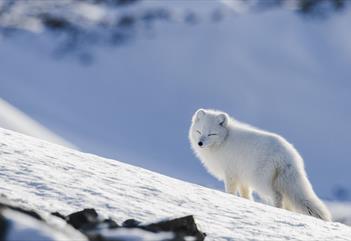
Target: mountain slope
(49, 177)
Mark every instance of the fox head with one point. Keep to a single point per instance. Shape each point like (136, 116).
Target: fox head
(208, 128)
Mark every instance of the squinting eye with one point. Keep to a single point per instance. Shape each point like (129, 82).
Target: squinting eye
(213, 134)
(198, 132)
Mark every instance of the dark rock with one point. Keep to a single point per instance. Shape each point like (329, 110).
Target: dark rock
(110, 223)
(3, 227)
(181, 227)
(82, 219)
(92, 225)
(131, 223)
(89, 223)
(8, 221)
(59, 215)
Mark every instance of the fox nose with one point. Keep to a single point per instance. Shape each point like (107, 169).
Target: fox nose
(200, 143)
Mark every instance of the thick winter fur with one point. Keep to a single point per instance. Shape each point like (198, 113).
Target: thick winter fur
(247, 159)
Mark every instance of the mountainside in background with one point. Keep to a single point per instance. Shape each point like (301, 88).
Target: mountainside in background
(46, 177)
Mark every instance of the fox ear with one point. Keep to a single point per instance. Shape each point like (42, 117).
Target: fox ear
(222, 119)
(199, 114)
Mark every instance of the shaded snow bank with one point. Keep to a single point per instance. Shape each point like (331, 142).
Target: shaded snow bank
(49, 177)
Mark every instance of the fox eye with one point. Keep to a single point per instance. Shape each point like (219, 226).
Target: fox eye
(213, 134)
(198, 132)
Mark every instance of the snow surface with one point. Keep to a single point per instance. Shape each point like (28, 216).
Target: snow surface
(274, 70)
(48, 177)
(135, 235)
(341, 211)
(14, 119)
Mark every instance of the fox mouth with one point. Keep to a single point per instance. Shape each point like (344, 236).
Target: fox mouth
(202, 145)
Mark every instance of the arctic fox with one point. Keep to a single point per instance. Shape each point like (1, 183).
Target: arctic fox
(247, 159)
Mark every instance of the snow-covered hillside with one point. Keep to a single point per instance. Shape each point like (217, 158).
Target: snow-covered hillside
(48, 177)
(272, 69)
(14, 119)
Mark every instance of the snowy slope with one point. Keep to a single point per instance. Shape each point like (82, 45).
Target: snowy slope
(47, 177)
(14, 119)
(341, 211)
(274, 70)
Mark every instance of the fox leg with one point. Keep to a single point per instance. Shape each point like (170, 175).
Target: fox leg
(245, 192)
(287, 205)
(277, 196)
(278, 199)
(230, 186)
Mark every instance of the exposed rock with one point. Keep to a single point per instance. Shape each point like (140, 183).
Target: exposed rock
(95, 227)
(131, 223)
(81, 219)
(181, 227)
(59, 215)
(91, 224)
(17, 223)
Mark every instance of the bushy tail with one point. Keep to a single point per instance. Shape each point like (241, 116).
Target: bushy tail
(300, 195)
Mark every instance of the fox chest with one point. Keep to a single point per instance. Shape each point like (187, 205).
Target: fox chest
(227, 164)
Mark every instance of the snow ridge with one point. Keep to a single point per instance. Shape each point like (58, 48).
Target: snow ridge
(48, 177)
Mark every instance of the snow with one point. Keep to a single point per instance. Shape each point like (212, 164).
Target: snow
(14, 119)
(341, 211)
(48, 177)
(136, 235)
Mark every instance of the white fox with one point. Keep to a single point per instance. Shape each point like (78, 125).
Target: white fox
(247, 159)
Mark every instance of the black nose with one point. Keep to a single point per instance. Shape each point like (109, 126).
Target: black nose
(200, 143)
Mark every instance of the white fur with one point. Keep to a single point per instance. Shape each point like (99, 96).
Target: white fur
(247, 158)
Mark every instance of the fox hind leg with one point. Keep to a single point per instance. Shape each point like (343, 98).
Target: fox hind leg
(276, 184)
(278, 199)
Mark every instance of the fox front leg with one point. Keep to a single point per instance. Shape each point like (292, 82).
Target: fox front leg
(230, 186)
(245, 192)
